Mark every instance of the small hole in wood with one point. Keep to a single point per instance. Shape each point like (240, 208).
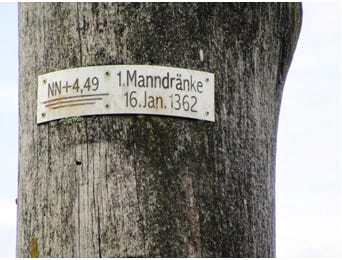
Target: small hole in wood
(78, 162)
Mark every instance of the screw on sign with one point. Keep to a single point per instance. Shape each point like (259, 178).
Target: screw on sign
(174, 181)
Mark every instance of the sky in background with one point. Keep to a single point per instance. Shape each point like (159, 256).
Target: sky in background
(309, 140)
(309, 137)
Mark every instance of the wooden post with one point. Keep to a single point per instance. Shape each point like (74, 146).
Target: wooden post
(142, 185)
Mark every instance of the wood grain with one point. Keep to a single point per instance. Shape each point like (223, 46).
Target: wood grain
(140, 185)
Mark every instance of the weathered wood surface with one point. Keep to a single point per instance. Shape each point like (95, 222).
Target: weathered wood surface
(110, 186)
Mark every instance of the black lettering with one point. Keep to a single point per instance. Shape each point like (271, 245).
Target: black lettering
(192, 109)
(179, 84)
(186, 84)
(149, 81)
(66, 87)
(165, 81)
(192, 85)
(58, 87)
(132, 78)
(150, 103)
(145, 98)
(159, 102)
(171, 82)
(199, 87)
(157, 78)
(51, 89)
(141, 81)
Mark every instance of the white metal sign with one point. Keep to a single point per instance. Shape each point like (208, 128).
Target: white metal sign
(126, 89)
